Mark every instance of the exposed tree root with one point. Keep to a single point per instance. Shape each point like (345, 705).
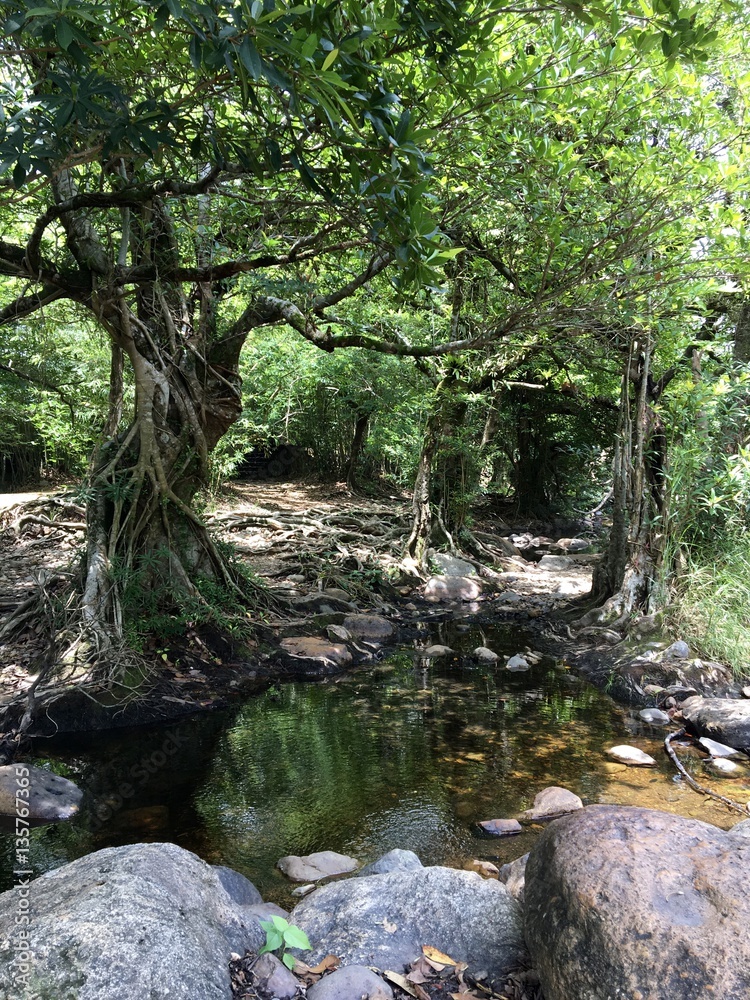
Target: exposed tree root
(729, 803)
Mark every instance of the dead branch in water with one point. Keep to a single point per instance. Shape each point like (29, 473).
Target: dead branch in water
(737, 806)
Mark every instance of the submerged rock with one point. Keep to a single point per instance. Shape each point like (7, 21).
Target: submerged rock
(313, 867)
(384, 920)
(632, 756)
(48, 797)
(437, 650)
(629, 902)
(500, 827)
(724, 767)
(145, 920)
(321, 652)
(551, 802)
(654, 716)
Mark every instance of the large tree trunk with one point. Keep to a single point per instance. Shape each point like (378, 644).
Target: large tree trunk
(144, 538)
(624, 580)
(355, 450)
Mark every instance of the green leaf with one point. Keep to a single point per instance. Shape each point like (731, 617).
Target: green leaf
(330, 59)
(295, 937)
(64, 33)
(288, 961)
(251, 58)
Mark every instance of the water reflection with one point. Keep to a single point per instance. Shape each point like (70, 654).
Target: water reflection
(399, 755)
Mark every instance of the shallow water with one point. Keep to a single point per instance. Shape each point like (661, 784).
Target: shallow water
(406, 753)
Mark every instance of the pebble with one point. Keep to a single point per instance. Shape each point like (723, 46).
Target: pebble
(632, 756)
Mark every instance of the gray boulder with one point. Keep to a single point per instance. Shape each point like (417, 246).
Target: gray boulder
(384, 920)
(555, 562)
(724, 719)
(146, 920)
(396, 860)
(630, 902)
(48, 797)
(239, 889)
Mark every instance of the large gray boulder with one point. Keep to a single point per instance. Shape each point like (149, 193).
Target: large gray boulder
(143, 921)
(452, 588)
(384, 920)
(397, 860)
(47, 797)
(724, 719)
(624, 902)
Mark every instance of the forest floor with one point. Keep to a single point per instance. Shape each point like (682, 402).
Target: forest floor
(314, 549)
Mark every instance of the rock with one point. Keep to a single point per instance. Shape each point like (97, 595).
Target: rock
(677, 693)
(384, 920)
(302, 890)
(485, 655)
(369, 626)
(513, 876)
(574, 544)
(273, 977)
(484, 868)
(48, 797)
(448, 565)
(239, 889)
(741, 829)
(316, 650)
(551, 802)
(632, 903)
(654, 716)
(723, 766)
(517, 662)
(396, 860)
(435, 651)
(500, 827)
(746, 692)
(724, 719)
(337, 633)
(312, 867)
(265, 911)
(353, 982)
(632, 756)
(509, 597)
(717, 749)
(677, 651)
(320, 604)
(145, 920)
(452, 588)
(555, 563)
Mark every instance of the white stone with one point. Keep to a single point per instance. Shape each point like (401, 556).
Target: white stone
(718, 749)
(632, 756)
(517, 662)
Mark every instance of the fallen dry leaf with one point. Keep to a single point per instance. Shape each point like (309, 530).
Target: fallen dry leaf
(433, 955)
(402, 982)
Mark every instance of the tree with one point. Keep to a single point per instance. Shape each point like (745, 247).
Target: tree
(176, 171)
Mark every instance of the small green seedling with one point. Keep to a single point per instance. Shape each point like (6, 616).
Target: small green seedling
(280, 935)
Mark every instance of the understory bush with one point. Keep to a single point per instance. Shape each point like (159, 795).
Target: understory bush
(711, 605)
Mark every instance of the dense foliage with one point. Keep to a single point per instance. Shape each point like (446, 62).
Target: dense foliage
(468, 247)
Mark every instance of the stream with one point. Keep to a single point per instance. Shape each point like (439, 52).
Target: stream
(405, 753)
